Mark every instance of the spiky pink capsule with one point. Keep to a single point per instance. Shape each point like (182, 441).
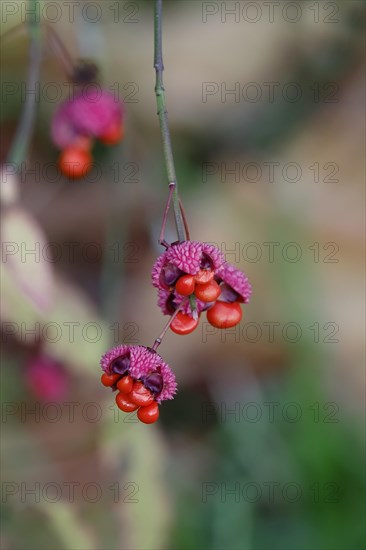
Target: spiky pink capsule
(185, 258)
(142, 364)
(235, 285)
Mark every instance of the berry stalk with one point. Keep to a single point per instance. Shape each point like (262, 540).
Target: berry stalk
(163, 120)
(159, 339)
(60, 50)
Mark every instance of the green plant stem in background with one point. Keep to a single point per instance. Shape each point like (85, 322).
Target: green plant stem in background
(23, 133)
(163, 118)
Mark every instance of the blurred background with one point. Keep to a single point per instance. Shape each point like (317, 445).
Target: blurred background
(263, 447)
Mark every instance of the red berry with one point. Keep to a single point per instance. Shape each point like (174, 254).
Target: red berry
(75, 162)
(148, 414)
(113, 135)
(109, 380)
(124, 403)
(224, 315)
(208, 292)
(204, 276)
(125, 385)
(141, 395)
(183, 324)
(185, 285)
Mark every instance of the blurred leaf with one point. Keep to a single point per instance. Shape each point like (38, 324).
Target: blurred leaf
(143, 507)
(28, 274)
(68, 527)
(80, 336)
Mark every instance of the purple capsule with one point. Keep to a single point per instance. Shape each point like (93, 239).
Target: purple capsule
(154, 382)
(169, 275)
(171, 304)
(228, 294)
(121, 365)
(206, 262)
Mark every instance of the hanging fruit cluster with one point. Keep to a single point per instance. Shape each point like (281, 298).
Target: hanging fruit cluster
(93, 113)
(191, 278)
(141, 378)
(194, 277)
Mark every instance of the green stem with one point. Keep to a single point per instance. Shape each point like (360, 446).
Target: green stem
(163, 118)
(23, 133)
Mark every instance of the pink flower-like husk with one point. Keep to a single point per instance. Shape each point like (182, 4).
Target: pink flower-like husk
(111, 355)
(86, 114)
(163, 296)
(215, 254)
(169, 382)
(156, 270)
(63, 131)
(187, 256)
(143, 362)
(93, 113)
(236, 279)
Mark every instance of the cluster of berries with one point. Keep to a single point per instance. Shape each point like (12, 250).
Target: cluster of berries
(195, 277)
(191, 277)
(142, 378)
(89, 115)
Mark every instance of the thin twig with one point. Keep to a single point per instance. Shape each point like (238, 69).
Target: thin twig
(163, 118)
(162, 240)
(159, 339)
(64, 55)
(184, 220)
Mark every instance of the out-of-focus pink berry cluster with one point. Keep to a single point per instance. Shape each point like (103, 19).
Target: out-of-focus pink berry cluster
(78, 122)
(46, 378)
